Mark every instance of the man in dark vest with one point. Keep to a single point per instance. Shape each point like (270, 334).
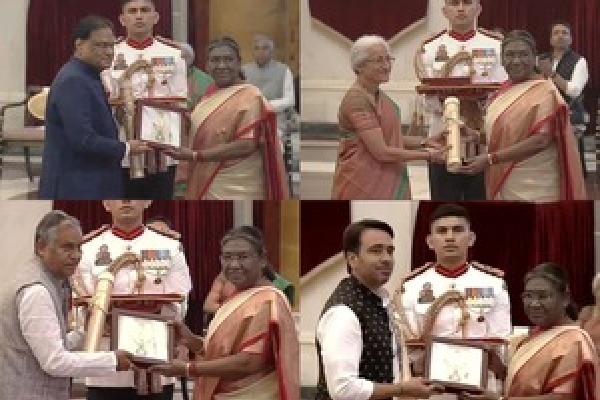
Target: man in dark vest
(569, 73)
(358, 354)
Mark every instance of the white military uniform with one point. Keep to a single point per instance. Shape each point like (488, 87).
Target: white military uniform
(169, 70)
(482, 45)
(487, 304)
(164, 267)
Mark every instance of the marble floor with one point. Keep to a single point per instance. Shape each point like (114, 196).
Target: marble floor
(14, 183)
(318, 165)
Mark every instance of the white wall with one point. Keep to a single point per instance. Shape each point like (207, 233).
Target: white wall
(13, 18)
(325, 64)
(401, 216)
(18, 219)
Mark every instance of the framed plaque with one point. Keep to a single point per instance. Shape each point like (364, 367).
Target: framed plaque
(159, 122)
(459, 365)
(149, 337)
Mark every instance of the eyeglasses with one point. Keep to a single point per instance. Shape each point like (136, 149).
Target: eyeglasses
(381, 60)
(457, 2)
(241, 258)
(226, 60)
(530, 297)
(103, 46)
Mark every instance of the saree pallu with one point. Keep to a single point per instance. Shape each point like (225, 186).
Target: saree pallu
(359, 175)
(560, 360)
(259, 321)
(517, 112)
(227, 115)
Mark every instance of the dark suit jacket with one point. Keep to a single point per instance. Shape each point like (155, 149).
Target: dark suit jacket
(82, 152)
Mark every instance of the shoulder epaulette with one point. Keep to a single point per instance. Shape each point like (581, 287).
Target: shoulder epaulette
(417, 272)
(488, 270)
(492, 34)
(171, 234)
(95, 233)
(433, 37)
(168, 42)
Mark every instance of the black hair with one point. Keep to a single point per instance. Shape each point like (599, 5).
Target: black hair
(563, 23)
(519, 35)
(125, 2)
(558, 277)
(89, 24)
(449, 210)
(354, 231)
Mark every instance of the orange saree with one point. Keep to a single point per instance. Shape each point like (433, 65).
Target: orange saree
(561, 360)
(258, 321)
(517, 112)
(359, 175)
(238, 112)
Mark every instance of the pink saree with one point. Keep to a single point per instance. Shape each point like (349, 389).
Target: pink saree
(226, 115)
(358, 175)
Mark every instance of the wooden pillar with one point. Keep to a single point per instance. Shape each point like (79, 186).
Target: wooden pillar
(289, 266)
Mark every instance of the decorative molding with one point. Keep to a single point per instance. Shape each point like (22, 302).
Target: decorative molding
(308, 277)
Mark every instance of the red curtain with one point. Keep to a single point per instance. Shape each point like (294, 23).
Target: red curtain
(516, 236)
(321, 228)
(353, 18)
(536, 17)
(201, 224)
(50, 24)
(198, 15)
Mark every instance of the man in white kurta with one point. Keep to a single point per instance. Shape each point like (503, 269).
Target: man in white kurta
(164, 270)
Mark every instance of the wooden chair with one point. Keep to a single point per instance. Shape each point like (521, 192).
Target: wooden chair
(27, 137)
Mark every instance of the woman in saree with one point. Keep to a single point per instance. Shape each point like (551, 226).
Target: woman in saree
(251, 348)
(372, 151)
(532, 154)
(233, 150)
(557, 360)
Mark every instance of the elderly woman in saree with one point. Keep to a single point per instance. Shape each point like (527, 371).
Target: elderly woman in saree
(372, 152)
(233, 150)
(557, 360)
(251, 348)
(532, 153)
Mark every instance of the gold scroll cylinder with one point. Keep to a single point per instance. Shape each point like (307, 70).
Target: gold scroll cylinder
(100, 305)
(136, 161)
(451, 120)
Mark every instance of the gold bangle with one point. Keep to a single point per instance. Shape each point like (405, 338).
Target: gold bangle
(490, 162)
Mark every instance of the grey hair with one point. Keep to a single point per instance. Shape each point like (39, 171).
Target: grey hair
(519, 35)
(187, 49)
(596, 283)
(261, 37)
(47, 227)
(248, 233)
(359, 50)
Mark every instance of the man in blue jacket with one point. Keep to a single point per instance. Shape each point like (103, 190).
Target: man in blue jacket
(82, 152)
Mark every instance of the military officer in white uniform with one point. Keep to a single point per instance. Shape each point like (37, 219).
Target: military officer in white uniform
(164, 270)
(452, 297)
(169, 84)
(484, 47)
